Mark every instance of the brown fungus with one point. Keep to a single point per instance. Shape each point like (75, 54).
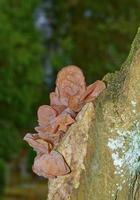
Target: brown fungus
(70, 85)
(45, 115)
(38, 144)
(50, 165)
(93, 91)
(70, 95)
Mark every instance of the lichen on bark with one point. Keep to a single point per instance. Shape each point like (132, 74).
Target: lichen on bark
(103, 146)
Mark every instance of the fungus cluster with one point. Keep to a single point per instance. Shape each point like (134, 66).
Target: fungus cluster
(70, 95)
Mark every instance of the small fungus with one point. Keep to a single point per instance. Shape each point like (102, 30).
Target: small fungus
(70, 95)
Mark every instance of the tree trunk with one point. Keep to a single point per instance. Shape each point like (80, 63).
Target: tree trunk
(103, 146)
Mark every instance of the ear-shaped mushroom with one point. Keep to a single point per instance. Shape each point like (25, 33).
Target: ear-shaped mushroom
(63, 121)
(50, 165)
(59, 104)
(70, 85)
(45, 115)
(39, 145)
(53, 138)
(56, 122)
(75, 104)
(93, 91)
(58, 125)
(69, 97)
(70, 81)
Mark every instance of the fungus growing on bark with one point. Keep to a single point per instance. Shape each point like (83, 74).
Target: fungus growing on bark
(50, 165)
(70, 85)
(70, 95)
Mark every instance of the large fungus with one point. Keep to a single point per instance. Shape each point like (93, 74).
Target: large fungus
(70, 95)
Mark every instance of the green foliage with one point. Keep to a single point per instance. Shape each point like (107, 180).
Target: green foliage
(10, 142)
(20, 72)
(2, 176)
(100, 34)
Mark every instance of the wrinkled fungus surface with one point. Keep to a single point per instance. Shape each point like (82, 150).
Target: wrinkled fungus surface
(70, 95)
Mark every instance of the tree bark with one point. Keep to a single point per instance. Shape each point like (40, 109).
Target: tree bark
(103, 146)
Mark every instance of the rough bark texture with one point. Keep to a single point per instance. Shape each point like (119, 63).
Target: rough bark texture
(103, 146)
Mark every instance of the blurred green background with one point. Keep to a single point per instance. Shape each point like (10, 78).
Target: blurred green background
(37, 39)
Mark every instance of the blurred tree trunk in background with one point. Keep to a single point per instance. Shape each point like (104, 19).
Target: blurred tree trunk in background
(103, 146)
